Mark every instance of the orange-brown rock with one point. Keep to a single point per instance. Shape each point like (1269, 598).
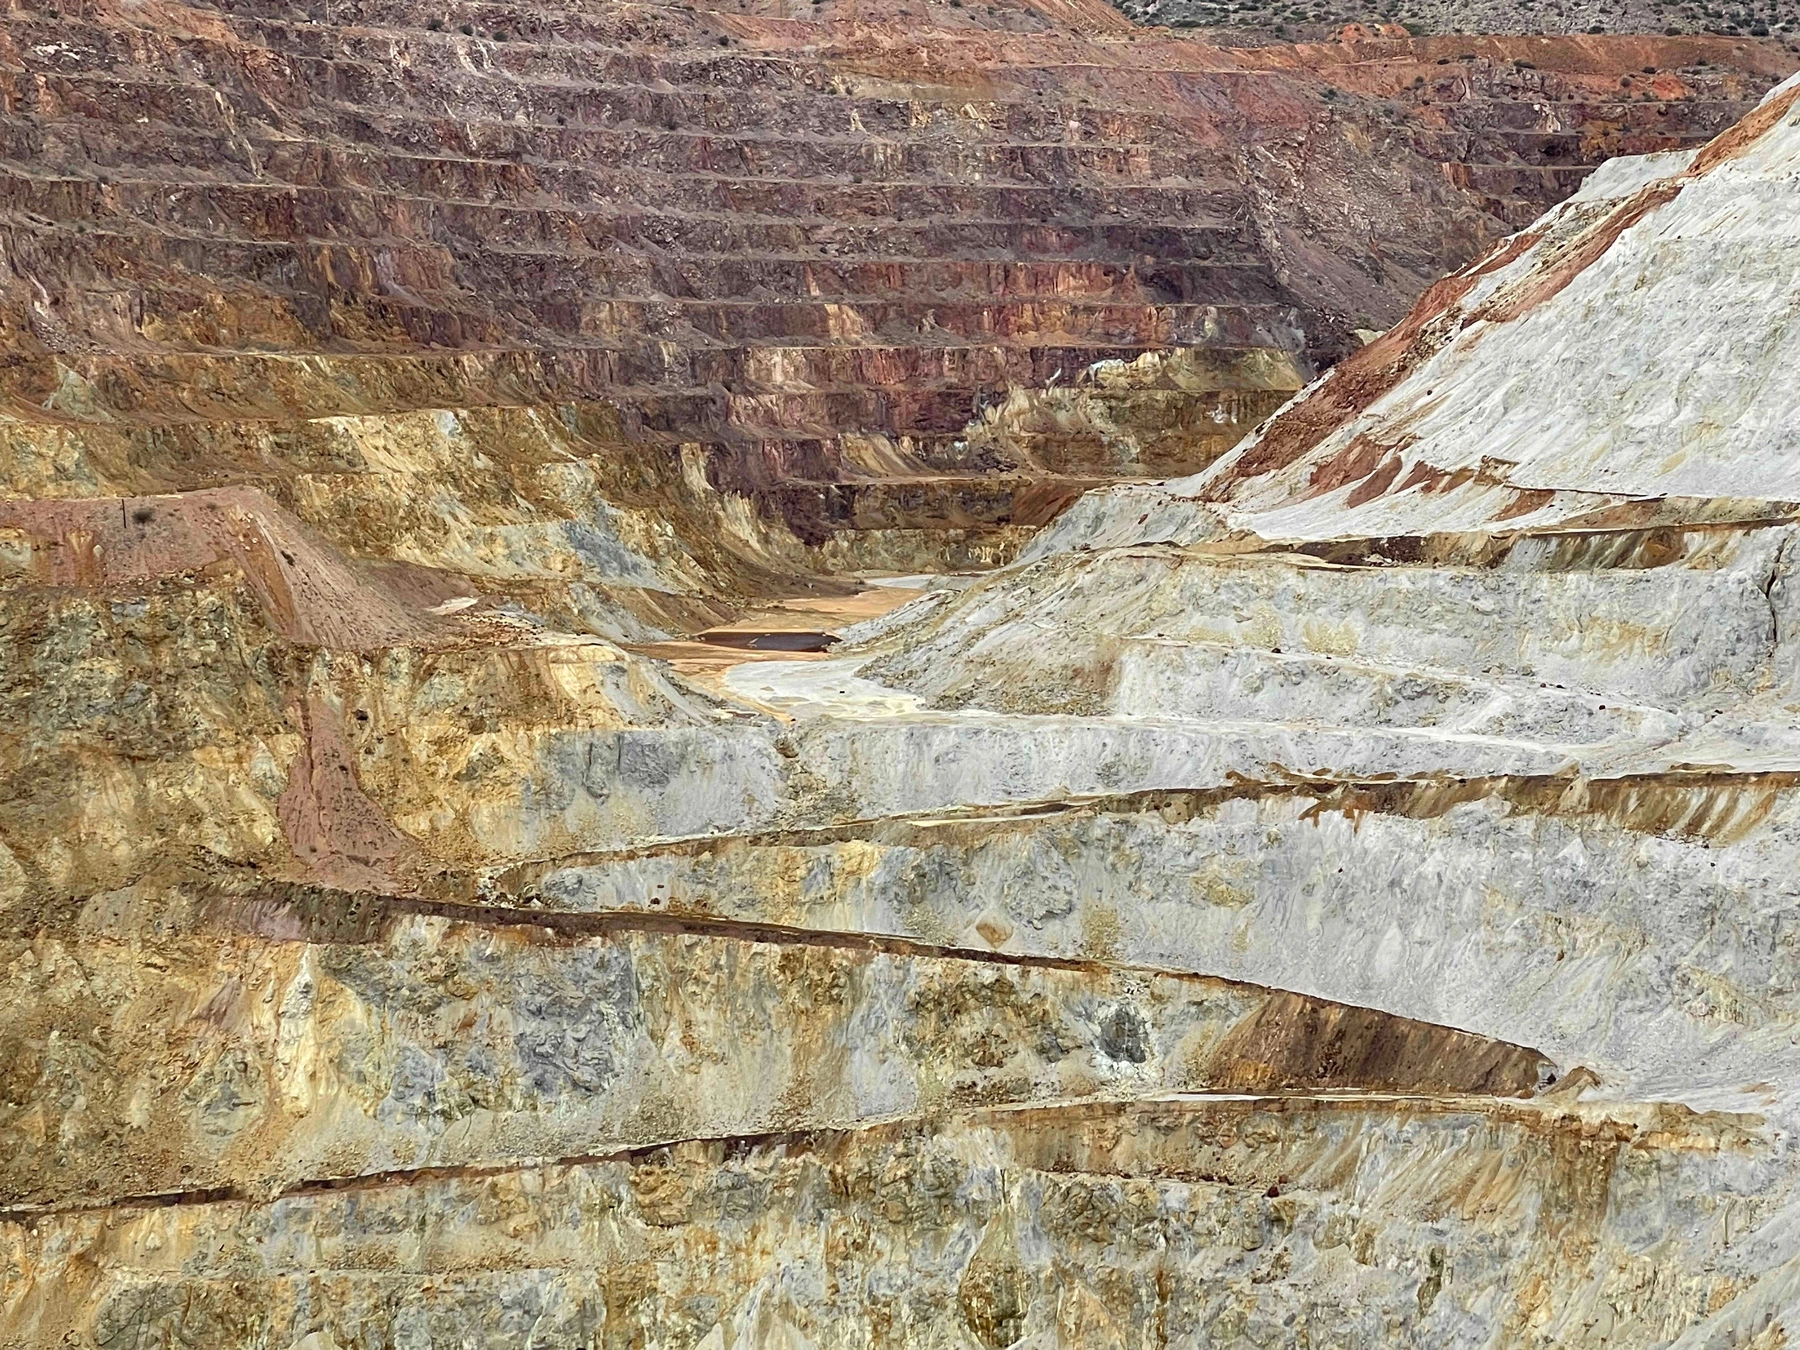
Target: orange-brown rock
(802, 253)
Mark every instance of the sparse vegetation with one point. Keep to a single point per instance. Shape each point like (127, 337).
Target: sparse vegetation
(1253, 20)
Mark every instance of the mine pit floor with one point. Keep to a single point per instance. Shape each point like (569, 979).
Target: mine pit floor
(789, 629)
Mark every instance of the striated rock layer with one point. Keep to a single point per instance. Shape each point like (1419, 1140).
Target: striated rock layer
(1341, 898)
(593, 307)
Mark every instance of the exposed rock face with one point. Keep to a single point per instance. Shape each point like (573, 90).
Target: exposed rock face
(1340, 898)
(1552, 513)
(678, 262)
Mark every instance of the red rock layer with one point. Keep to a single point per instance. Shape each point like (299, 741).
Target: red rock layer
(814, 241)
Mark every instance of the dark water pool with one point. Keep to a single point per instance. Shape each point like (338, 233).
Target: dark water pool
(772, 642)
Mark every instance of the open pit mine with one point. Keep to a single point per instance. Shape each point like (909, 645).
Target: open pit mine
(956, 676)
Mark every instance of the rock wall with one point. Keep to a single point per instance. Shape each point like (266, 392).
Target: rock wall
(1343, 897)
(765, 275)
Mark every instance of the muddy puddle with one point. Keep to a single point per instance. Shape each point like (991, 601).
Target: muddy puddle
(772, 640)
